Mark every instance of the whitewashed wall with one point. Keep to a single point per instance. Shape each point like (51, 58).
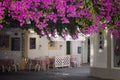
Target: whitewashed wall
(85, 51)
(43, 50)
(84, 48)
(74, 47)
(102, 62)
(98, 57)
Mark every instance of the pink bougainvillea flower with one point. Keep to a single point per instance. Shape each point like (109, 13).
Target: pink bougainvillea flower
(108, 18)
(46, 13)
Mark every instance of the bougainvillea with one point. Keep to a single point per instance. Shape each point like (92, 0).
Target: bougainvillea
(62, 16)
(108, 15)
(1, 13)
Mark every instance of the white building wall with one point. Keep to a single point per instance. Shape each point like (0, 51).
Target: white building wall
(61, 50)
(85, 51)
(39, 51)
(83, 56)
(43, 50)
(98, 57)
(102, 64)
(74, 47)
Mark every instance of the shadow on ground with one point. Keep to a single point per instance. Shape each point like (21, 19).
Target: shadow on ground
(81, 73)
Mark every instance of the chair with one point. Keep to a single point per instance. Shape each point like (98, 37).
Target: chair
(2, 65)
(38, 64)
(73, 61)
(31, 64)
(43, 64)
(47, 62)
(52, 62)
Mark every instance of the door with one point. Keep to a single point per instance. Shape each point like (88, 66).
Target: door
(68, 43)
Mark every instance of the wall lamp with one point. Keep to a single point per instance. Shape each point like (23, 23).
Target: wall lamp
(40, 46)
(60, 46)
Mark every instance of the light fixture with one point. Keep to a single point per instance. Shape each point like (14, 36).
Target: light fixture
(88, 35)
(31, 31)
(40, 46)
(28, 21)
(60, 46)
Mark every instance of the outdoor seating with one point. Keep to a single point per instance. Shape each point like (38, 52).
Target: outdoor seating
(8, 65)
(33, 64)
(43, 64)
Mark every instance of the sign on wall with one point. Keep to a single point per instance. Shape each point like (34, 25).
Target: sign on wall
(52, 45)
(101, 40)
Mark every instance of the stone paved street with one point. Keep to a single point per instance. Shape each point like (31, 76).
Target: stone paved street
(57, 74)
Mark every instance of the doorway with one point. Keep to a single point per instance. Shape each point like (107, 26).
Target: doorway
(68, 47)
(89, 50)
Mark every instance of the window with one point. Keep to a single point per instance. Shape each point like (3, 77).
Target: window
(79, 50)
(32, 43)
(68, 46)
(15, 44)
(4, 41)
